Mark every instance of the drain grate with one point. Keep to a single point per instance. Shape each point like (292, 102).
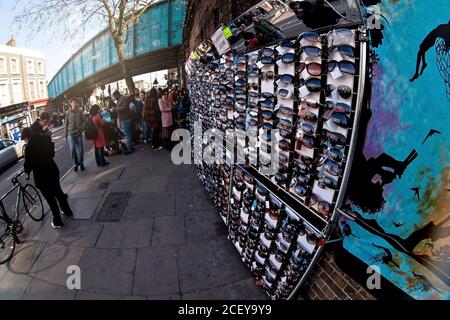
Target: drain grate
(114, 207)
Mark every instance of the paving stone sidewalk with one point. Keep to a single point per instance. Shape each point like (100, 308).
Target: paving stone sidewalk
(170, 243)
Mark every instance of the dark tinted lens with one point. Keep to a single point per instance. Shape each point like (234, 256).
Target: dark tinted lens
(309, 116)
(332, 168)
(308, 142)
(283, 92)
(284, 145)
(267, 95)
(287, 44)
(241, 74)
(267, 125)
(336, 155)
(253, 74)
(345, 66)
(344, 50)
(267, 52)
(344, 91)
(287, 112)
(309, 36)
(267, 115)
(301, 190)
(285, 133)
(241, 101)
(312, 51)
(267, 104)
(287, 79)
(253, 94)
(267, 60)
(269, 75)
(313, 84)
(240, 83)
(340, 119)
(313, 68)
(288, 57)
(308, 129)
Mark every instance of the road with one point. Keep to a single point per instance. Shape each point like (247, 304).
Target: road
(62, 158)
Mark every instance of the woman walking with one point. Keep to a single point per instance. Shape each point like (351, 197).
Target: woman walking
(152, 116)
(166, 119)
(100, 140)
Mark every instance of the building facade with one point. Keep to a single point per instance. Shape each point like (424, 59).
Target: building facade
(23, 85)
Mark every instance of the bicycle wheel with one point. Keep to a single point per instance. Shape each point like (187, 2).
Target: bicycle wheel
(7, 243)
(33, 203)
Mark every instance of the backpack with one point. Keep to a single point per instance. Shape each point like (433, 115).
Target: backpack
(91, 131)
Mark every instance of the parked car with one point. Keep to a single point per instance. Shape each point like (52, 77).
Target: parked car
(11, 151)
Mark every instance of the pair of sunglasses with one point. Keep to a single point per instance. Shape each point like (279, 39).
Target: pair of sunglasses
(309, 36)
(344, 66)
(335, 139)
(312, 68)
(311, 51)
(327, 182)
(323, 207)
(285, 93)
(344, 92)
(288, 58)
(313, 84)
(269, 75)
(343, 49)
(306, 141)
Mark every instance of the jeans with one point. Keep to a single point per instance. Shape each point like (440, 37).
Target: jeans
(126, 127)
(76, 148)
(54, 197)
(100, 157)
(145, 129)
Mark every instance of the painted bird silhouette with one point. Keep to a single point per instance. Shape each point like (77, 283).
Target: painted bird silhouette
(417, 193)
(430, 134)
(398, 224)
(387, 258)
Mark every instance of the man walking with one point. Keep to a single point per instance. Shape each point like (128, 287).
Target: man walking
(124, 115)
(142, 122)
(75, 125)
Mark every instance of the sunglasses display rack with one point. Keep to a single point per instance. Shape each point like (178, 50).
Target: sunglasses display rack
(306, 89)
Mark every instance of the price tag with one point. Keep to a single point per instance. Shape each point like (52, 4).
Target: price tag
(254, 205)
(336, 73)
(230, 115)
(236, 115)
(232, 200)
(304, 91)
(267, 204)
(332, 125)
(260, 65)
(334, 95)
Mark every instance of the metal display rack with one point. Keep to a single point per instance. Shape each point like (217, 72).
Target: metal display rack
(313, 220)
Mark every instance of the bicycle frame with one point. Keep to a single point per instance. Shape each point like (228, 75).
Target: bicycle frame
(19, 188)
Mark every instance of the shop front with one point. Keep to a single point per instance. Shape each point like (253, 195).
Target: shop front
(37, 107)
(282, 97)
(13, 119)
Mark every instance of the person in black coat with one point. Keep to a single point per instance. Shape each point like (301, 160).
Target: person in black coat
(39, 154)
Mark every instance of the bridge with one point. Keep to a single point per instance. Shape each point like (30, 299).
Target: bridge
(152, 44)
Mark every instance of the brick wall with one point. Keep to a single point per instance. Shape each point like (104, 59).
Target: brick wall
(329, 282)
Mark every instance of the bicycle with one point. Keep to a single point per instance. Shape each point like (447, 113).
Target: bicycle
(11, 227)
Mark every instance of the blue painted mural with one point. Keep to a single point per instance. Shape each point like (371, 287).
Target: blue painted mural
(400, 182)
(159, 27)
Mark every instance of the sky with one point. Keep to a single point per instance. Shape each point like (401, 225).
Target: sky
(57, 52)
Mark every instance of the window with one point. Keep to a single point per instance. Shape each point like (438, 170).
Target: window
(42, 90)
(15, 66)
(17, 91)
(3, 65)
(30, 66)
(40, 67)
(32, 89)
(4, 94)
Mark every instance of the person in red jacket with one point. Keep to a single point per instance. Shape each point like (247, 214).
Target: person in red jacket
(100, 141)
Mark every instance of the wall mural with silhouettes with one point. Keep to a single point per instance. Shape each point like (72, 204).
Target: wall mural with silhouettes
(399, 187)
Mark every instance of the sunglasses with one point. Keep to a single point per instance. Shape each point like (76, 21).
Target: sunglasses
(288, 58)
(269, 75)
(267, 95)
(345, 35)
(344, 92)
(267, 125)
(344, 66)
(254, 86)
(332, 168)
(287, 79)
(285, 133)
(303, 169)
(281, 179)
(336, 140)
(313, 84)
(286, 111)
(309, 36)
(240, 83)
(287, 44)
(344, 49)
(313, 68)
(300, 190)
(267, 52)
(285, 124)
(267, 60)
(307, 128)
(340, 120)
(253, 94)
(267, 115)
(307, 141)
(308, 116)
(284, 145)
(323, 207)
(284, 93)
(268, 104)
(338, 107)
(311, 51)
(253, 74)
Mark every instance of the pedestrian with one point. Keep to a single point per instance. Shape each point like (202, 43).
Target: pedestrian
(166, 119)
(142, 123)
(152, 116)
(45, 123)
(134, 119)
(124, 117)
(75, 125)
(39, 154)
(99, 142)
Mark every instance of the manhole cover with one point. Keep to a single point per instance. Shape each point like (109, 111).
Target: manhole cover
(114, 207)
